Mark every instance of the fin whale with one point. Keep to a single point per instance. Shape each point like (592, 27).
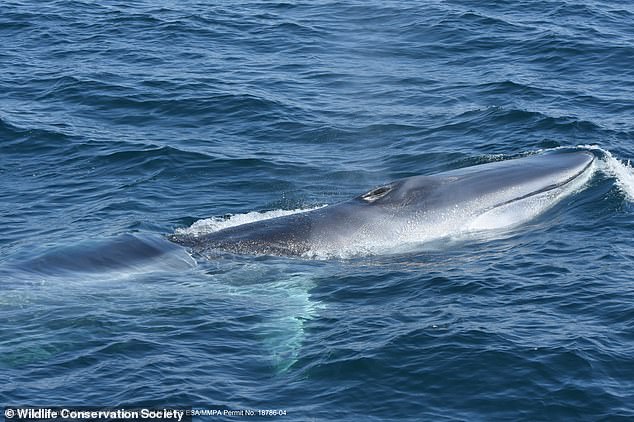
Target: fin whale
(413, 209)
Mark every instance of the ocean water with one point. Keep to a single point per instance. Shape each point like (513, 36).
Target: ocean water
(122, 123)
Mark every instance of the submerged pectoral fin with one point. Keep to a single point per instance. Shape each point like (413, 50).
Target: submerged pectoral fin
(283, 308)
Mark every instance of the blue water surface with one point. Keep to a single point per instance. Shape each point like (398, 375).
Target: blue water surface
(122, 122)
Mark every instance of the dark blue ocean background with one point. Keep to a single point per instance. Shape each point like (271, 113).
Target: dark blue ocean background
(124, 122)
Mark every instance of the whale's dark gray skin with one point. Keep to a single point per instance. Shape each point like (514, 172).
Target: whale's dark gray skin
(413, 209)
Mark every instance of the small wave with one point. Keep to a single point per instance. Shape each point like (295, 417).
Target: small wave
(213, 224)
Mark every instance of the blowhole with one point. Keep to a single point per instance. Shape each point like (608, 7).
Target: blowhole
(376, 193)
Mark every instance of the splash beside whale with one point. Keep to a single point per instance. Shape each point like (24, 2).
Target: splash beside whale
(410, 210)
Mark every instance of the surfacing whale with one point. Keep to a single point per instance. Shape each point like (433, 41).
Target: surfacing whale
(411, 210)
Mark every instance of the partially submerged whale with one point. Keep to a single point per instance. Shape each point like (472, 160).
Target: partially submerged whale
(414, 209)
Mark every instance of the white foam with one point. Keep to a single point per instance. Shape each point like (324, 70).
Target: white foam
(213, 224)
(622, 172)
